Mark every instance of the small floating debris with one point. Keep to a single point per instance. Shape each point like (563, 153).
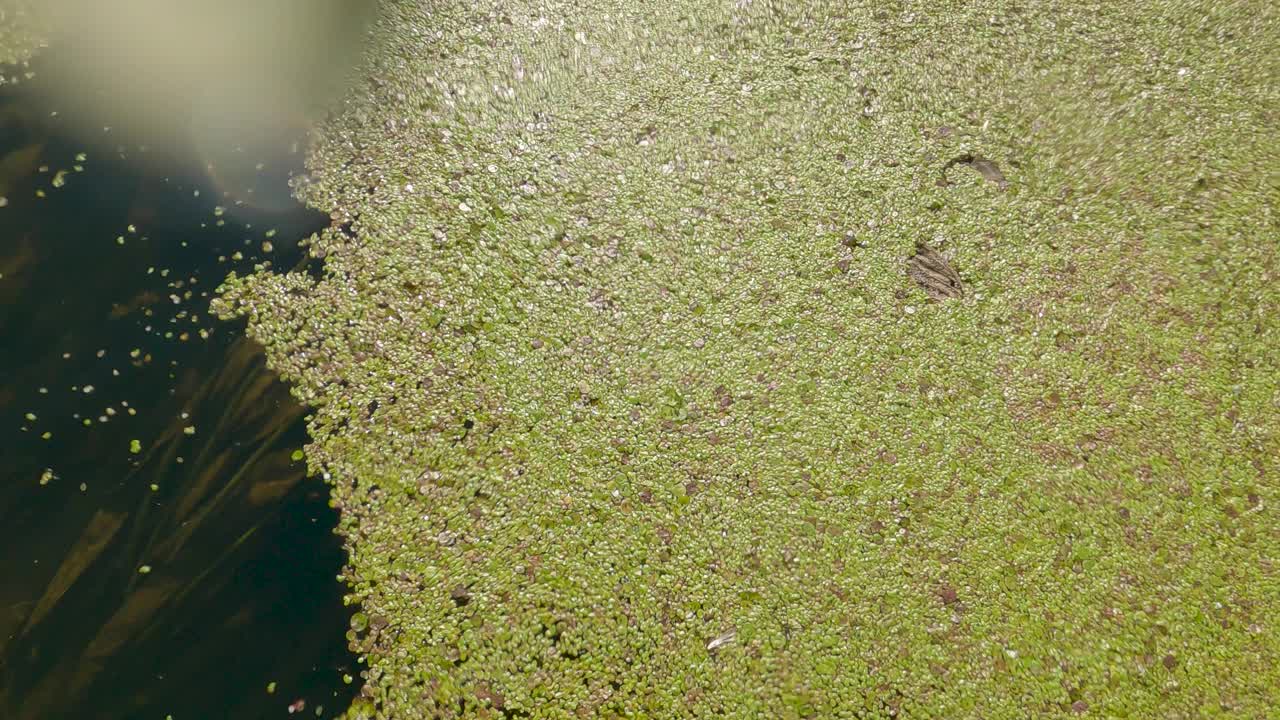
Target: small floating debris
(985, 168)
(932, 272)
(721, 640)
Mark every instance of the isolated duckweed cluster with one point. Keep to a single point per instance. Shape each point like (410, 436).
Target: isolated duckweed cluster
(631, 409)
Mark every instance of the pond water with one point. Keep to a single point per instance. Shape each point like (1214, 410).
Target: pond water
(164, 551)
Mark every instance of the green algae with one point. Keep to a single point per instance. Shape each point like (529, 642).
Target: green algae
(632, 411)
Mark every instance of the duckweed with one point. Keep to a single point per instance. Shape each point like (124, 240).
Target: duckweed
(1053, 496)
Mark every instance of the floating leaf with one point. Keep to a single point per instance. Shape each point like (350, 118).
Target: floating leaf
(932, 272)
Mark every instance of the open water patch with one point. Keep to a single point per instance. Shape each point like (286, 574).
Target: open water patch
(165, 553)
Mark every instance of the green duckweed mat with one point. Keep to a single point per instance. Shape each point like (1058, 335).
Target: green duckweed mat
(632, 409)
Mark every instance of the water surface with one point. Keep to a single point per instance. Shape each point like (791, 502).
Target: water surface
(164, 551)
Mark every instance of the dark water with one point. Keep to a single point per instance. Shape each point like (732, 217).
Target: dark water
(181, 574)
